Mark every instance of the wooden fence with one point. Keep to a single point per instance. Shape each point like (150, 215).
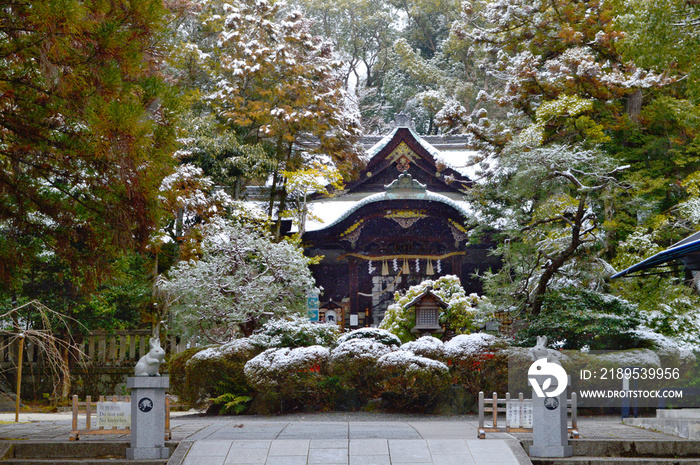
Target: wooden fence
(126, 347)
(102, 348)
(111, 359)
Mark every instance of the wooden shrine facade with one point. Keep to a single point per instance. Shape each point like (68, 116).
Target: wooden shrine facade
(401, 222)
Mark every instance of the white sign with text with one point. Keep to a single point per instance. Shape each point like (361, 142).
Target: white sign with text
(114, 414)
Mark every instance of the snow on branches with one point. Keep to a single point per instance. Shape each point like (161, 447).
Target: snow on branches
(541, 51)
(274, 80)
(241, 276)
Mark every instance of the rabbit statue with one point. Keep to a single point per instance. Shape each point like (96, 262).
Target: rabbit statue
(148, 364)
(540, 350)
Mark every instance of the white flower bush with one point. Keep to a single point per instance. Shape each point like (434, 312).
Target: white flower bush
(426, 346)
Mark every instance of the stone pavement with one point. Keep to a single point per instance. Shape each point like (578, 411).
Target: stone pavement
(347, 442)
(331, 438)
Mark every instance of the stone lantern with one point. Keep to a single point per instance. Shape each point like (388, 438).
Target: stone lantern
(427, 306)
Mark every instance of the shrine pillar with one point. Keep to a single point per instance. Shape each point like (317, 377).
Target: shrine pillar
(354, 281)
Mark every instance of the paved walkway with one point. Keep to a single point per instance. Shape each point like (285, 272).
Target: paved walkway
(331, 439)
(371, 442)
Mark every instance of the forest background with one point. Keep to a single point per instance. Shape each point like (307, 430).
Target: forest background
(129, 132)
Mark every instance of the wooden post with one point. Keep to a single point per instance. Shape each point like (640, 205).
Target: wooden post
(168, 433)
(495, 410)
(75, 413)
(88, 411)
(19, 376)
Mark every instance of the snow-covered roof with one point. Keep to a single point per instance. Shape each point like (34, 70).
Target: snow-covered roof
(376, 148)
(334, 210)
(453, 155)
(427, 292)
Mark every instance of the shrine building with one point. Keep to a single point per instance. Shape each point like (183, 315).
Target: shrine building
(401, 221)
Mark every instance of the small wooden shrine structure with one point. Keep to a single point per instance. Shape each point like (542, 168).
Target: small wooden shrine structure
(401, 221)
(427, 306)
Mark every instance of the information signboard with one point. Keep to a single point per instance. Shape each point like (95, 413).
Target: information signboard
(114, 415)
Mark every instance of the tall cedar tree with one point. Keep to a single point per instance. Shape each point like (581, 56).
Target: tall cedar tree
(85, 132)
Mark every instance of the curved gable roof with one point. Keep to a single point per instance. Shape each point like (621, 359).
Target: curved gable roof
(404, 188)
(402, 144)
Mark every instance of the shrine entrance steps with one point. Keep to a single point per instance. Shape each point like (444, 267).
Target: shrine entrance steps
(28, 452)
(626, 452)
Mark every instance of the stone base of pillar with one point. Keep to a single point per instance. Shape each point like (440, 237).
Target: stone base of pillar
(147, 453)
(147, 417)
(551, 451)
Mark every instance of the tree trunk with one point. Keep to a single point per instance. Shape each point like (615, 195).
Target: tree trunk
(273, 188)
(633, 105)
(64, 376)
(558, 261)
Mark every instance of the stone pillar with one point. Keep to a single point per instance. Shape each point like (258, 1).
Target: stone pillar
(550, 437)
(148, 417)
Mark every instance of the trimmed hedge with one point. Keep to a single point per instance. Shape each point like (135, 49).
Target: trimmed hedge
(212, 371)
(366, 368)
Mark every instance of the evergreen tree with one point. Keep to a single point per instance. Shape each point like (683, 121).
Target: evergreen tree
(86, 135)
(274, 84)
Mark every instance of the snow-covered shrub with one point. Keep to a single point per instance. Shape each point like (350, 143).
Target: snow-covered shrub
(354, 362)
(411, 382)
(380, 335)
(478, 362)
(459, 317)
(670, 351)
(243, 274)
(572, 318)
(178, 375)
(294, 331)
(469, 345)
(426, 346)
(295, 376)
(518, 361)
(205, 373)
